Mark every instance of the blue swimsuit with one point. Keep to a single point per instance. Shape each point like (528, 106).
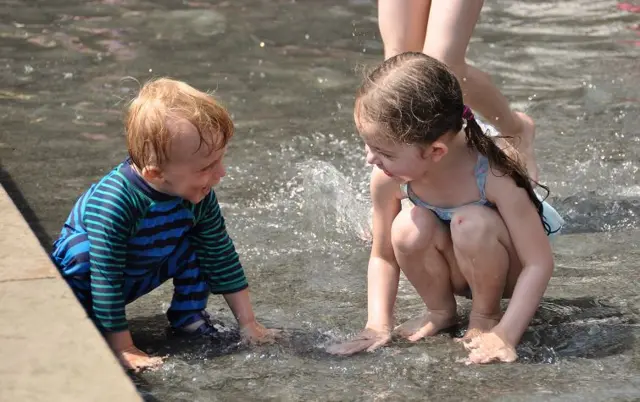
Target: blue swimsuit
(550, 216)
(445, 214)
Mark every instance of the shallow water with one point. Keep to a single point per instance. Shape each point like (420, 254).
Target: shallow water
(295, 197)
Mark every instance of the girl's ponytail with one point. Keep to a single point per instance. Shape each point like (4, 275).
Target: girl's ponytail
(498, 159)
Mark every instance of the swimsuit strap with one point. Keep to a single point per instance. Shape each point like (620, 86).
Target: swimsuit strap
(404, 189)
(481, 170)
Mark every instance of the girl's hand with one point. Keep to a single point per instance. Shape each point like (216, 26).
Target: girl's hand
(134, 359)
(368, 340)
(489, 347)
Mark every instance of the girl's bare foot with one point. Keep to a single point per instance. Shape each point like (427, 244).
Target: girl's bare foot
(524, 142)
(426, 325)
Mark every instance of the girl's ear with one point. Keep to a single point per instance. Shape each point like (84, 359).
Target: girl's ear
(435, 151)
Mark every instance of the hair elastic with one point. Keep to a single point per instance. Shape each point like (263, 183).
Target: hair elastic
(467, 114)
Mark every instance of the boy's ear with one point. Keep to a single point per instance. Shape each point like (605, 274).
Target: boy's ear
(151, 173)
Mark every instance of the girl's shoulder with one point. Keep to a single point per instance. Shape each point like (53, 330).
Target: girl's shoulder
(384, 187)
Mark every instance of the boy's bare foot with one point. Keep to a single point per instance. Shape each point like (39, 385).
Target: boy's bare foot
(479, 324)
(524, 142)
(426, 325)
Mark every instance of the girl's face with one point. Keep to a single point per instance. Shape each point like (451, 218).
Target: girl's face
(403, 162)
(399, 161)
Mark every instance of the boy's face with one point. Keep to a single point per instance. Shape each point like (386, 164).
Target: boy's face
(194, 168)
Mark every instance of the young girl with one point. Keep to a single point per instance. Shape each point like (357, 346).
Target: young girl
(477, 227)
(442, 29)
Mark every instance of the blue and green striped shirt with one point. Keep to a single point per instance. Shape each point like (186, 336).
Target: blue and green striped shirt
(132, 229)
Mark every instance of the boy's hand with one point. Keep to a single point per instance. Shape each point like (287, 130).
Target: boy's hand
(129, 356)
(368, 340)
(255, 333)
(134, 359)
(251, 330)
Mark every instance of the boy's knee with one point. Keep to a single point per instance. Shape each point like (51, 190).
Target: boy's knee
(471, 229)
(413, 230)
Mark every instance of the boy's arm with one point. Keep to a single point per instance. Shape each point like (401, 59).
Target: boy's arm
(107, 220)
(240, 305)
(216, 253)
(221, 266)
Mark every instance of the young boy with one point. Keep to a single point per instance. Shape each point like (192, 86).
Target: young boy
(155, 217)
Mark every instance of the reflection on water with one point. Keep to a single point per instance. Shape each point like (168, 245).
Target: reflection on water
(296, 194)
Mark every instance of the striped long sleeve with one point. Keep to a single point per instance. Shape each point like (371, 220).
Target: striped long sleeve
(216, 253)
(108, 220)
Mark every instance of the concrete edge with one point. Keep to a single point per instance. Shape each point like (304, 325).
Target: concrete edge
(50, 350)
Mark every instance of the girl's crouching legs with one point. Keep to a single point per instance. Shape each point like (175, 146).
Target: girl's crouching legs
(487, 260)
(420, 242)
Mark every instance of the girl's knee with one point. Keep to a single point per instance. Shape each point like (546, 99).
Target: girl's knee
(472, 227)
(413, 230)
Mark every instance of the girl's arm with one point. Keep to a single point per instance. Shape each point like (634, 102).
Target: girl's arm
(534, 251)
(383, 273)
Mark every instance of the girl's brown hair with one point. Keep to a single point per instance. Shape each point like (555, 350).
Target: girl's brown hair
(416, 99)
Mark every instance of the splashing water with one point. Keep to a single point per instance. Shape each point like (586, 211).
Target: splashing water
(330, 201)
(297, 226)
